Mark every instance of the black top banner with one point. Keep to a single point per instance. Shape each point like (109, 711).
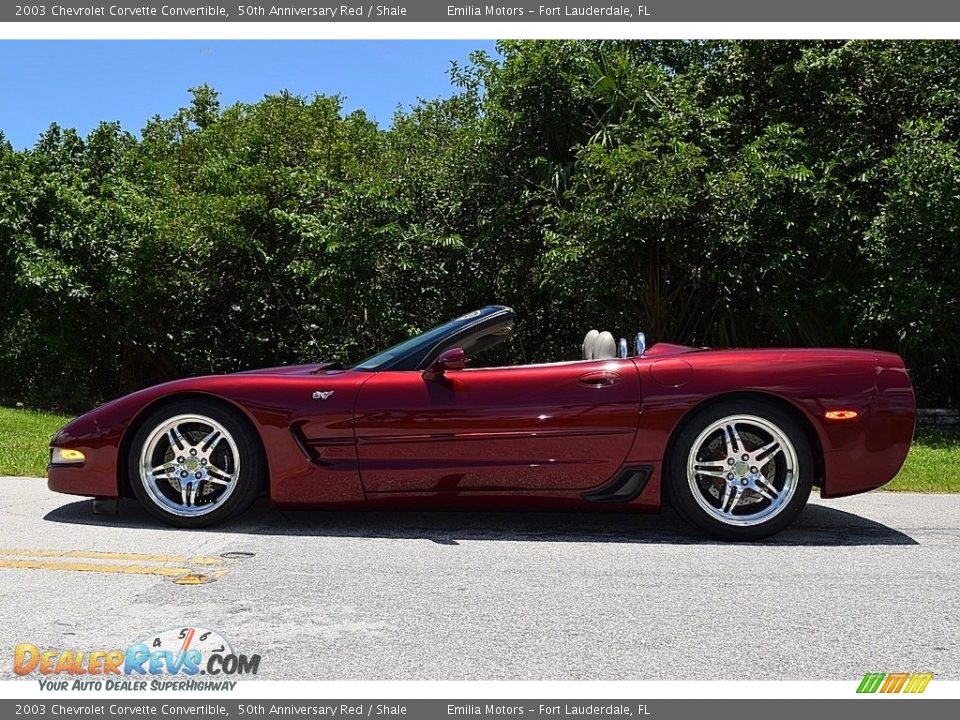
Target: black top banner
(645, 11)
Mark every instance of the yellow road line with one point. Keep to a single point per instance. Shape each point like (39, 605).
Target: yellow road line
(95, 567)
(176, 566)
(199, 578)
(103, 555)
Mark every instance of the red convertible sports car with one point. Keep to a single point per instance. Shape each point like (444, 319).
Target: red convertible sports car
(733, 439)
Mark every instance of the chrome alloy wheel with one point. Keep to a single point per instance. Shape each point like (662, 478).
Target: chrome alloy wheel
(189, 465)
(742, 470)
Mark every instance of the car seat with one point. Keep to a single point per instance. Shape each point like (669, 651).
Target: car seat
(599, 346)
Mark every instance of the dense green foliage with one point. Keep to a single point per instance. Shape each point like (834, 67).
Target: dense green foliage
(718, 193)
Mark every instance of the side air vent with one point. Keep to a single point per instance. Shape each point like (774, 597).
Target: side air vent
(623, 488)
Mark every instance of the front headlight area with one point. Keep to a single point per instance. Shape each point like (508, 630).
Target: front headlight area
(66, 456)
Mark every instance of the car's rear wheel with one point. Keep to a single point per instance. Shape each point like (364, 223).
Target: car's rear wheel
(740, 470)
(195, 462)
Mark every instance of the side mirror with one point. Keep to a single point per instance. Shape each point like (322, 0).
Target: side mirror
(452, 359)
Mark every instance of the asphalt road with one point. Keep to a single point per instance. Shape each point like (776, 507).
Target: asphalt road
(869, 583)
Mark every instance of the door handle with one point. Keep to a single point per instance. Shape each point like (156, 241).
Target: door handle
(599, 379)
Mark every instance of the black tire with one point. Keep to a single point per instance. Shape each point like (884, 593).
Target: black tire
(681, 493)
(250, 466)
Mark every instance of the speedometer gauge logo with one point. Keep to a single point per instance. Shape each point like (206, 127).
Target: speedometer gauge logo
(181, 640)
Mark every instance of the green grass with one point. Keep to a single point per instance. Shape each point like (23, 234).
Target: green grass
(24, 438)
(932, 466)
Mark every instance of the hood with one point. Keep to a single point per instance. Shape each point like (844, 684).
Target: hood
(307, 369)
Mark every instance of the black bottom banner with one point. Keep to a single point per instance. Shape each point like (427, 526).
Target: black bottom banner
(874, 708)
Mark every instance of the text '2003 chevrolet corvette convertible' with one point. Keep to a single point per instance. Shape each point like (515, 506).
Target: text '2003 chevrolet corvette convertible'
(733, 439)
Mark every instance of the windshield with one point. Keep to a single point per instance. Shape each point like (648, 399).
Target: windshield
(402, 348)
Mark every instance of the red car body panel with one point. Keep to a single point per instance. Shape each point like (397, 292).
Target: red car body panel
(532, 436)
(569, 427)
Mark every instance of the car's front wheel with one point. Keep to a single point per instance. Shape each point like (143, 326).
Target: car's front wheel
(740, 470)
(195, 462)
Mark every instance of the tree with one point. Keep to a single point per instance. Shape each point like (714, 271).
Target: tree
(720, 193)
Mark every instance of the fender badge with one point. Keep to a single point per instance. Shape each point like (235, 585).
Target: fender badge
(322, 394)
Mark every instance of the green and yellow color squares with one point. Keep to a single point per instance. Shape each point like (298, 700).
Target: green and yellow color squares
(894, 682)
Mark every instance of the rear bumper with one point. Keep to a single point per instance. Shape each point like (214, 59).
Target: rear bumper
(875, 454)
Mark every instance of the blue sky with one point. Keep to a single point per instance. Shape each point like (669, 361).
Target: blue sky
(79, 83)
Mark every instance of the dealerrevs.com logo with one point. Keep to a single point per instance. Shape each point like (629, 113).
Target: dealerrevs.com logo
(181, 658)
(898, 682)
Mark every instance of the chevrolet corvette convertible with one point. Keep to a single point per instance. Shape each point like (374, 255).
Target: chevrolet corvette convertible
(734, 440)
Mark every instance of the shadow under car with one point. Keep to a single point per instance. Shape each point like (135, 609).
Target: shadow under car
(818, 525)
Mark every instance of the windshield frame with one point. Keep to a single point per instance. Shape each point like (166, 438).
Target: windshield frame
(416, 352)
